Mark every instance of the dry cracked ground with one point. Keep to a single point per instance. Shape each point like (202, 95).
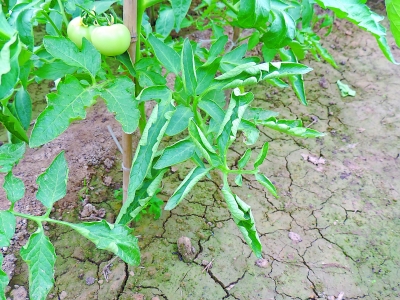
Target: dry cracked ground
(334, 232)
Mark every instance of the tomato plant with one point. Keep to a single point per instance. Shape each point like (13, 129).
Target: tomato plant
(196, 112)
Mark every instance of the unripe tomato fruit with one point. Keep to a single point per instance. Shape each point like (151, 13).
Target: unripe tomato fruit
(76, 31)
(111, 40)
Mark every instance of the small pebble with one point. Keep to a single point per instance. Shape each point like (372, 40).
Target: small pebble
(90, 280)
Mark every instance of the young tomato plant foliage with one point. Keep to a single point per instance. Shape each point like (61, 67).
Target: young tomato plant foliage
(204, 112)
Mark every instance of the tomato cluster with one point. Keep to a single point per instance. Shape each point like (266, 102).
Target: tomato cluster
(109, 40)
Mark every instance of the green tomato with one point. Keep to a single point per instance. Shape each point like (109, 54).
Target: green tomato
(76, 31)
(111, 40)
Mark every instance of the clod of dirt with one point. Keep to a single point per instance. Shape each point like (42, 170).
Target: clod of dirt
(90, 280)
(323, 83)
(295, 237)
(313, 159)
(108, 163)
(155, 298)
(185, 248)
(9, 265)
(89, 211)
(19, 293)
(137, 297)
(63, 295)
(262, 263)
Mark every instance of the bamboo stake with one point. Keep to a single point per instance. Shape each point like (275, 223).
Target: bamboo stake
(130, 21)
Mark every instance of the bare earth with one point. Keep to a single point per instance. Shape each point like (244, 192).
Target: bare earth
(334, 233)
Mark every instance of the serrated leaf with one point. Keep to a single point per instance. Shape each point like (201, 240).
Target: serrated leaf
(12, 124)
(4, 280)
(242, 216)
(281, 32)
(393, 12)
(7, 227)
(267, 184)
(176, 153)
(14, 187)
(262, 155)
(53, 182)
(244, 159)
(189, 77)
(120, 100)
(54, 70)
(360, 14)
(291, 127)
(62, 48)
(180, 8)
(253, 13)
(194, 176)
(117, 239)
(167, 56)
(64, 107)
(145, 153)
(40, 257)
(179, 120)
(10, 154)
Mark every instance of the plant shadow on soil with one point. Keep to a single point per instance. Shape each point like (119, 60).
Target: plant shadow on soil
(334, 231)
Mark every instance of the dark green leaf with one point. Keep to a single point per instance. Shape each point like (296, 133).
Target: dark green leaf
(205, 76)
(23, 107)
(10, 154)
(165, 21)
(117, 239)
(62, 48)
(7, 228)
(12, 124)
(40, 257)
(180, 120)
(307, 13)
(127, 62)
(216, 49)
(14, 187)
(282, 30)
(253, 13)
(189, 77)
(194, 176)
(175, 154)
(393, 12)
(120, 100)
(262, 155)
(267, 184)
(167, 56)
(64, 107)
(180, 8)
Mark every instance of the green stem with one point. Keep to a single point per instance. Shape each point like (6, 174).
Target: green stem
(52, 23)
(230, 6)
(62, 11)
(241, 171)
(142, 108)
(40, 219)
(197, 115)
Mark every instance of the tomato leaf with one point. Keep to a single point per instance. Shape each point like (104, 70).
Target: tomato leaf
(180, 8)
(244, 159)
(253, 13)
(40, 257)
(23, 107)
(282, 30)
(53, 182)
(167, 56)
(189, 76)
(62, 48)
(54, 70)
(12, 124)
(175, 154)
(262, 155)
(120, 99)
(10, 154)
(250, 132)
(393, 12)
(145, 153)
(4, 280)
(117, 239)
(14, 187)
(64, 107)
(179, 120)
(194, 176)
(9, 66)
(360, 14)
(7, 227)
(267, 184)
(291, 127)
(165, 21)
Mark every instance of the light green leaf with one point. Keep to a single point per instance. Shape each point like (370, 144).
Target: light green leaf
(283, 69)
(53, 182)
(189, 77)
(314, 40)
(215, 111)
(239, 180)
(393, 12)
(256, 114)
(345, 90)
(12, 124)
(154, 92)
(4, 280)
(145, 153)
(120, 100)
(176, 153)
(194, 176)
(205, 76)
(7, 227)
(250, 131)
(262, 155)
(167, 56)
(40, 257)
(54, 70)
(291, 127)
(180, 8)
(6, 31)
(233, 58)
(64, 107)
(216, 49)
(179, 120)
(281, 32)
(242, 216)
(9, 66)
(253, 13)
(267, 184)
(10, 154)
(244, 159)
(14, 187)
(165, 21)
(62, 48)
(23, 107)
(359, 13)
(117, 239)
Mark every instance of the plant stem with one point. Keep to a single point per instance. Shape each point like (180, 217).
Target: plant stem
(51, 23)
(62, 11)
